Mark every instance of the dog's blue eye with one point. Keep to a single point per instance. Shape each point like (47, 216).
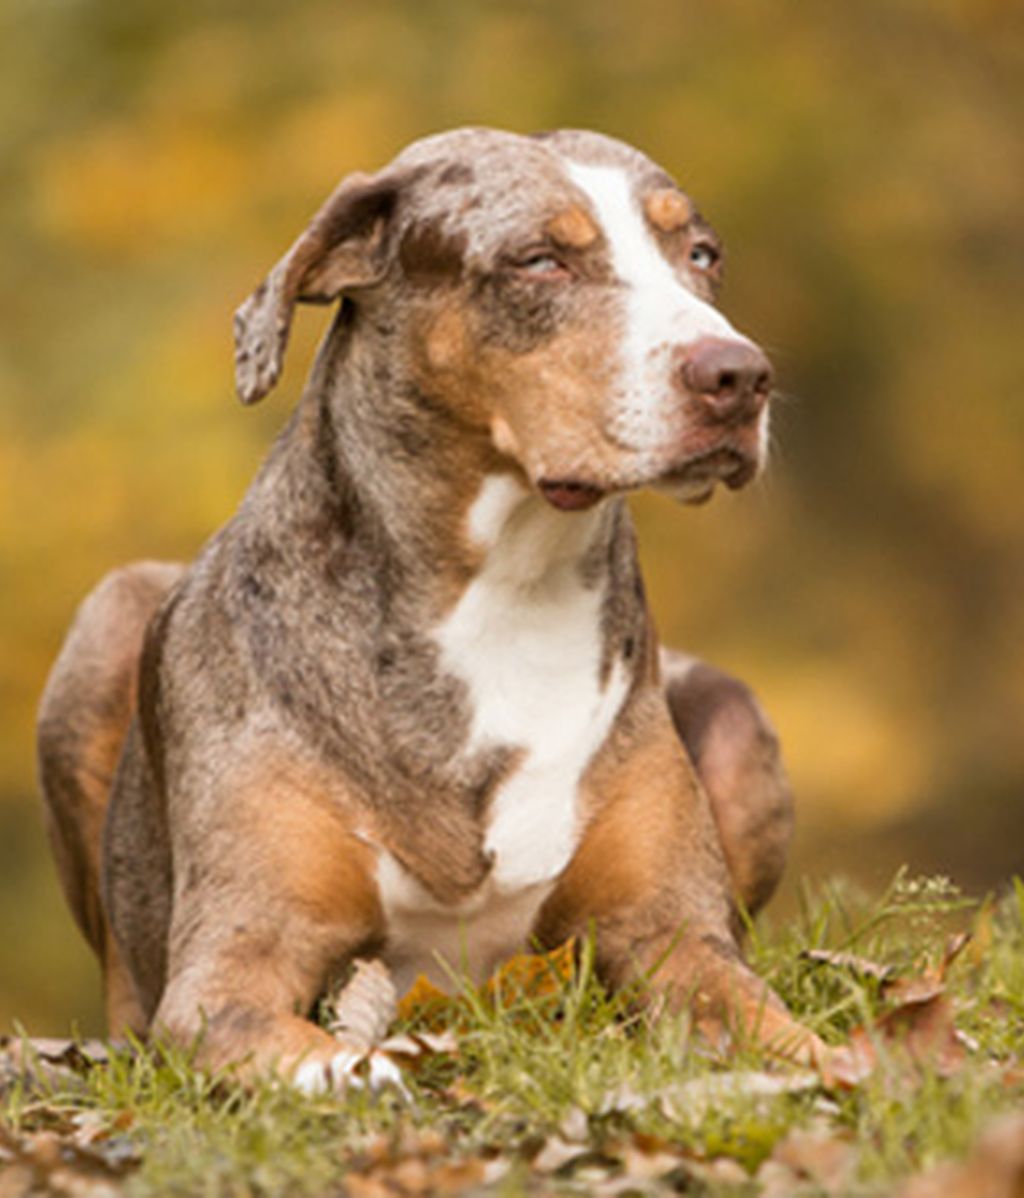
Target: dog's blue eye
(703, 256)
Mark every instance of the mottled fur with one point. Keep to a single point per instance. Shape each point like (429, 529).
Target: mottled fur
(279, 713)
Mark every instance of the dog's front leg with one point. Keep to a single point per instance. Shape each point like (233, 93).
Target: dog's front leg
(649, 880)
(273, 895)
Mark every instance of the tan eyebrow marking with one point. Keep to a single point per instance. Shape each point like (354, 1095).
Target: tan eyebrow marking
(667, 209)
(572, 227)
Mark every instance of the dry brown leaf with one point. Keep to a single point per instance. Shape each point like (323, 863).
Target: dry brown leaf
(457, 1176)
(919, 1026)
(417, 1163)
(693, 1100)
(848, 1065)
(646, 1164)
(776, 1180)
(359, 1185)
(926, 1029)
(525, 976)
(425, 1003)
(54, 1060)
(994, 1170)
(555, 1154)
(46, 1162)
(366, 1007)
(410, 1051)
(955, 945)
(818, 1155)
(840, 960)
(533, 975)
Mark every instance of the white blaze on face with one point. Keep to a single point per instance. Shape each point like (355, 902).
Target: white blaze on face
(662, 315)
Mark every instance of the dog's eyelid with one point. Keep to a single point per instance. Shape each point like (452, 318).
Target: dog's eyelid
(539, 260)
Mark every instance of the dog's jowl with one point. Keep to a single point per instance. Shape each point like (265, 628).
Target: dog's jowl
(409, 701)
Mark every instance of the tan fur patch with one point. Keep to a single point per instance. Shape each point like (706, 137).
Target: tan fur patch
(446, 339)
(310, 856)
(282, 894)
(667, 209)
(573, 227)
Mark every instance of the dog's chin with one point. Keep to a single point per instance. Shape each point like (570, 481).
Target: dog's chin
(694, 481)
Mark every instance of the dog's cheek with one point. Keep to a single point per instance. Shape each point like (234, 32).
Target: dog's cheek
(548, 406)
(519, 316)
(446, 343)
(444, 362)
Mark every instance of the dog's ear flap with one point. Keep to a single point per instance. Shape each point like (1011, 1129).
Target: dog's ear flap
(342, 249)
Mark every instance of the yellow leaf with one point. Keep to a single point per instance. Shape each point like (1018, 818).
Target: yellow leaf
(425, 1003)
(528, 975)
(533, 975)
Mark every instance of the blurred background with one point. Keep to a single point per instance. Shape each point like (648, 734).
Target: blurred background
(865, 165)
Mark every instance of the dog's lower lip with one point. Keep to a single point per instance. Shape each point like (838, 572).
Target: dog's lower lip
(569, 496)
(725, 464)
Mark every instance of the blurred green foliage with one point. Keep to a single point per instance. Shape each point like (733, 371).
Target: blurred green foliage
(866, 167)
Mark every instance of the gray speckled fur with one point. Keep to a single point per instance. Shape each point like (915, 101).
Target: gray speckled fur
(304, 623)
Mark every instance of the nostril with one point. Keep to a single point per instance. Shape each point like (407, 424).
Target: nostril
(726, 378)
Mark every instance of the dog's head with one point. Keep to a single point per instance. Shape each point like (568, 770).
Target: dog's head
(553, 293)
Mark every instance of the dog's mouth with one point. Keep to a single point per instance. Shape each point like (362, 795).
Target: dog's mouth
(694, 481)
(568, 495)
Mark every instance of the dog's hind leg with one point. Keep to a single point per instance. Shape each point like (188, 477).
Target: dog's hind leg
(85, 712)
(735, 751)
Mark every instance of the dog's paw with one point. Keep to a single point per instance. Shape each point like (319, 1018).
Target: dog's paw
(350, 1069)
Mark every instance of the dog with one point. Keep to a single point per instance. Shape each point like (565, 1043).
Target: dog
(409, 702)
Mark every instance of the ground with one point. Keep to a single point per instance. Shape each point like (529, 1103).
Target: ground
(542, 1084)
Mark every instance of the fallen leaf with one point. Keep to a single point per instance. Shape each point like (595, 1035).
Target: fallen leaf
(924, 1027)
(647, 1163)
(425, 1003)
(575, 1126)
(70, 1056)
(555, 1154)
(817, 1154)
(365, 1008)
(955, 945)
(850, 961)
(533, 975)
(525, 976)
(693, 1100)
(420, 1044)
(995, 1169)
(456, 1176)
(918, 1027)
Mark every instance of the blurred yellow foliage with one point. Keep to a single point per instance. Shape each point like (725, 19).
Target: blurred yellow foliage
(124, 187)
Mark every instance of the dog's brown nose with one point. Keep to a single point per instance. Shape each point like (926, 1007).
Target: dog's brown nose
(730, 379)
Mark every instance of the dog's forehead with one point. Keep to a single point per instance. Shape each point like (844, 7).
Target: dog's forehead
(490, 184)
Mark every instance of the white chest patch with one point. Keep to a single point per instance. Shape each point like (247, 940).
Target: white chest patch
(525, 637)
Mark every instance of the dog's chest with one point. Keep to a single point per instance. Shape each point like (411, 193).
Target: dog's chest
(527, 644)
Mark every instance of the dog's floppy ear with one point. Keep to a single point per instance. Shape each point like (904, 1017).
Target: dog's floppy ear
(343, 248)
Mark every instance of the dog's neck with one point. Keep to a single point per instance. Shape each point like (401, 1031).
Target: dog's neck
(434, 499)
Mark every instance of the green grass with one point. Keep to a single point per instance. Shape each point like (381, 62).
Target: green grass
(569, 1092)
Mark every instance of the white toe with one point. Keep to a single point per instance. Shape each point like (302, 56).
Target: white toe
(342, 1070)
(384, 1072)
(312, 1077)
